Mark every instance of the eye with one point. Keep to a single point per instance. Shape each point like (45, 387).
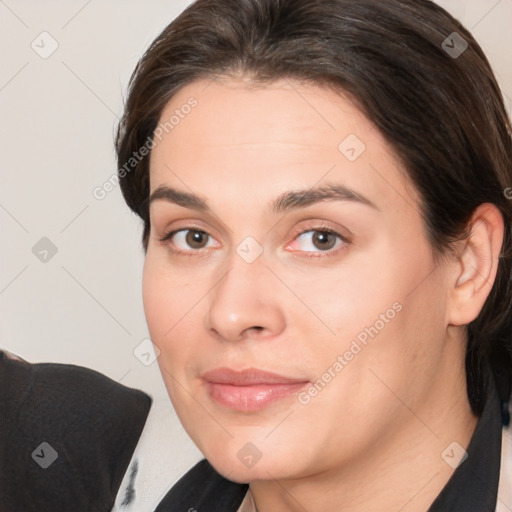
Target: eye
(318, 240)
(186, 240)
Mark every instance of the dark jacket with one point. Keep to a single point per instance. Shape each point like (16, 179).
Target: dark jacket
(67, 434)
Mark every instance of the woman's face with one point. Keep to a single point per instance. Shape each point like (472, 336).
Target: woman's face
(288, 282)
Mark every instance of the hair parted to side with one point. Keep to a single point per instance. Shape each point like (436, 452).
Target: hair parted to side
(444, 116)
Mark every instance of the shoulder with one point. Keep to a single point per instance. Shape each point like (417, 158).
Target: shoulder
(202, 488)
(68, 433)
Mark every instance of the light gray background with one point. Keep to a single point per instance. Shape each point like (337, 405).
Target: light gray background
(57, 120)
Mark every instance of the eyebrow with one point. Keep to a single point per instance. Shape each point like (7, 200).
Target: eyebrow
(287, 201)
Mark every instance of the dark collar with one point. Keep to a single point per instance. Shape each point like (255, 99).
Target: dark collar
(474, 484)
(473, 487)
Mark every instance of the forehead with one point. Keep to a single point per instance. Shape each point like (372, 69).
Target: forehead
(284, 111)
(268, 138)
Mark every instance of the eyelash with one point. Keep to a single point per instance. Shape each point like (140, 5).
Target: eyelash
(308, 254)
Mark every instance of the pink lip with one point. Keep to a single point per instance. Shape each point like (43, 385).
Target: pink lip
(249, 390)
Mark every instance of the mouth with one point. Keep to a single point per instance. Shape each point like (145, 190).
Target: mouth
(249, 390)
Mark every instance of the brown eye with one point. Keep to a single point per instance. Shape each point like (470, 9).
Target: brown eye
(196, 239)
(318, 241)
(323, 240)
(188, 240)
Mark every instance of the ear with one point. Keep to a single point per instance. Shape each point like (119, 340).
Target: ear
(475, 264)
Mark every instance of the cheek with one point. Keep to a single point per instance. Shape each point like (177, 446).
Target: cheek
(164, 300)
(163, 308)
(390, 302)
(169, 296)
(402, 326)
(349, 298)
(156, 298)
(174, 315)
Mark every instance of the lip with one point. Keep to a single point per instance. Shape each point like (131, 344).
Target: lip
(249, 390)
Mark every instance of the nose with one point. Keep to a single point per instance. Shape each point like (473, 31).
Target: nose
(244, 304)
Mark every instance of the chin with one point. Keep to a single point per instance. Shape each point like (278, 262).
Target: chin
(236, 473)
(245, 462)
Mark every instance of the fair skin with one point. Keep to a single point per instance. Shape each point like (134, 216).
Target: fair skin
(371, 439)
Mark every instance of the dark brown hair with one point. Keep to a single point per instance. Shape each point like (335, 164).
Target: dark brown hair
(438, 106)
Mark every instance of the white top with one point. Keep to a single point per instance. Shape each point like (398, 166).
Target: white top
(248, 504)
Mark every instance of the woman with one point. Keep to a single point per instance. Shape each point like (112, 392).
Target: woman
(323, 187)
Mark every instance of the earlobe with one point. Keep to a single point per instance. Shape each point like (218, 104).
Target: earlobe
(475, 265)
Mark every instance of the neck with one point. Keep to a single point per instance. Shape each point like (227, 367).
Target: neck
(405, 471)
